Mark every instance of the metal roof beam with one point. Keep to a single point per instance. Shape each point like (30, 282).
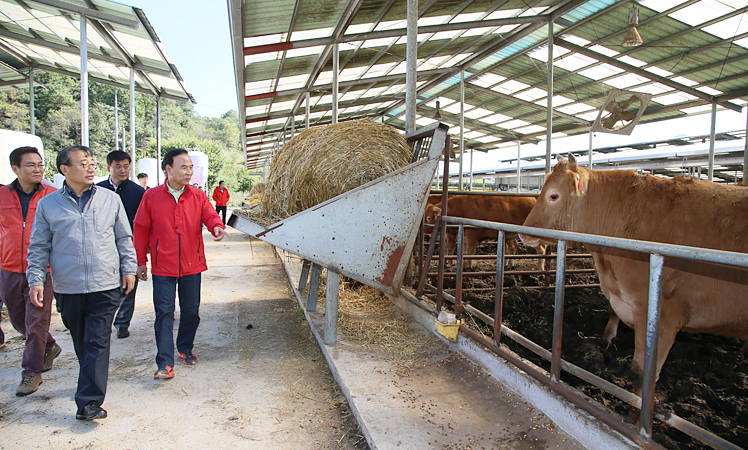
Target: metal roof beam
(328, 87)
(641, 72)
(76, 51)
(399, 32)
(236, 26)
(316, 109)
(106, 81)
(90, 13)
(528, 104)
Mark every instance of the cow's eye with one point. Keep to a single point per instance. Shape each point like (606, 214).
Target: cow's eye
(554, 197)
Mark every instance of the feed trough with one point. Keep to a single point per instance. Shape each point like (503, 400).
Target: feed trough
(367, 233)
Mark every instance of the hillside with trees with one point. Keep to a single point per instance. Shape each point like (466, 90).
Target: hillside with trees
(58, 124)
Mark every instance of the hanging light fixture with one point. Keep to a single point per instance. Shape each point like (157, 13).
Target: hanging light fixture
(437, 114)
(633, 38)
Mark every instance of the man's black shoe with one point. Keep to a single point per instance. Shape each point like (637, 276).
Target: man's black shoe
(91, 411)
(2, 339)
(122, 332)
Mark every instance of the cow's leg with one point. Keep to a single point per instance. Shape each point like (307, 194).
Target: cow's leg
(469, 245)
(669, 327)
(540, 250)
(611, 329)
(511, 247)
(451, 244)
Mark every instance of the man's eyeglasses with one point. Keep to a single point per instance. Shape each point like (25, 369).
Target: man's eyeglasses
(32, 166)
(85, 165)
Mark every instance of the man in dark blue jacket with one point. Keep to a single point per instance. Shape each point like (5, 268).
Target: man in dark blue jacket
(118, 164)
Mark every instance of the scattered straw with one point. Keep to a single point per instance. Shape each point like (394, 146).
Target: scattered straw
(367, 318)
(323, 162)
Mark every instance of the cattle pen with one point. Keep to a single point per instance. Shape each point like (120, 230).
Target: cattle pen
(657, 254)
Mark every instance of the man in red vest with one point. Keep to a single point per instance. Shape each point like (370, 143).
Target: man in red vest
(221, 197)
(18, 203)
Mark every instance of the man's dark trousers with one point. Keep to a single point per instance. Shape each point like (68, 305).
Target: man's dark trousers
(164, 290)
(89, 318)
(222, 210)
(126, 308)
(32, 322)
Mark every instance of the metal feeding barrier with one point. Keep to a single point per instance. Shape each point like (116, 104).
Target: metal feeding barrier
(366, 234)
(657, 251)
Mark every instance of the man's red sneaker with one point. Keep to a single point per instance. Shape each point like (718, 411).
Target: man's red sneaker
(189, 359)
(164, 373)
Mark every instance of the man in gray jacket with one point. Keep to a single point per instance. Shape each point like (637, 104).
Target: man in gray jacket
(82, 232)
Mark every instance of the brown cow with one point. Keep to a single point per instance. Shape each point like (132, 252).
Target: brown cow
(493, 208)
(696, 297)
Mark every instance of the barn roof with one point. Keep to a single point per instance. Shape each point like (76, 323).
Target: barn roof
(45, 35)
(695, 52)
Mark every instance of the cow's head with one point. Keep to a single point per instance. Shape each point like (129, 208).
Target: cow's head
(432, 211)
(562, 191)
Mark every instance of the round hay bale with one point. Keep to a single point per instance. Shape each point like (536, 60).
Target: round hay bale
(323, 162)
(257, 189)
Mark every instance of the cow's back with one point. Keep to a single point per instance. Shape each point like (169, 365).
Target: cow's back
(492, 208)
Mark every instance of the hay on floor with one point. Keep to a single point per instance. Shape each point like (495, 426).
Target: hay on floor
(367, 318)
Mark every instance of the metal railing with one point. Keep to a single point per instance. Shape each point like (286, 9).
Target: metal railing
(657, 253)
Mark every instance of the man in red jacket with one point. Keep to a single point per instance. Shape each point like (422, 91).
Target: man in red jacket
(221, 197)
(18, 203)
(169, 220)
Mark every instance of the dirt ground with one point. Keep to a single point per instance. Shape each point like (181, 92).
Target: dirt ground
(259, 387)
(704, 380)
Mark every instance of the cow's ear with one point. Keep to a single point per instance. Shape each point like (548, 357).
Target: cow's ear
(572, 163)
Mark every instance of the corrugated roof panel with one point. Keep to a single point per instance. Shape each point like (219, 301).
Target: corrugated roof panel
(47, 36)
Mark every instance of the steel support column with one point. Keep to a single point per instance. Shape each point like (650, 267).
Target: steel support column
(462, 126)
(745, 151)
(411, 59)
(306, 116)
(332, 295)
(158, 140)
(558, 311)
(711, 142)
(589, 157)
(132, 123)
(335, 87)
(649, 375)
(116, 122)
(471, 169)
(31, 100)
(519, 145)
(84, 81)
(549, 112)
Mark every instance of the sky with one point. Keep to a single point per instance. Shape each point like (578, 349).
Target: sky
(197, 37)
